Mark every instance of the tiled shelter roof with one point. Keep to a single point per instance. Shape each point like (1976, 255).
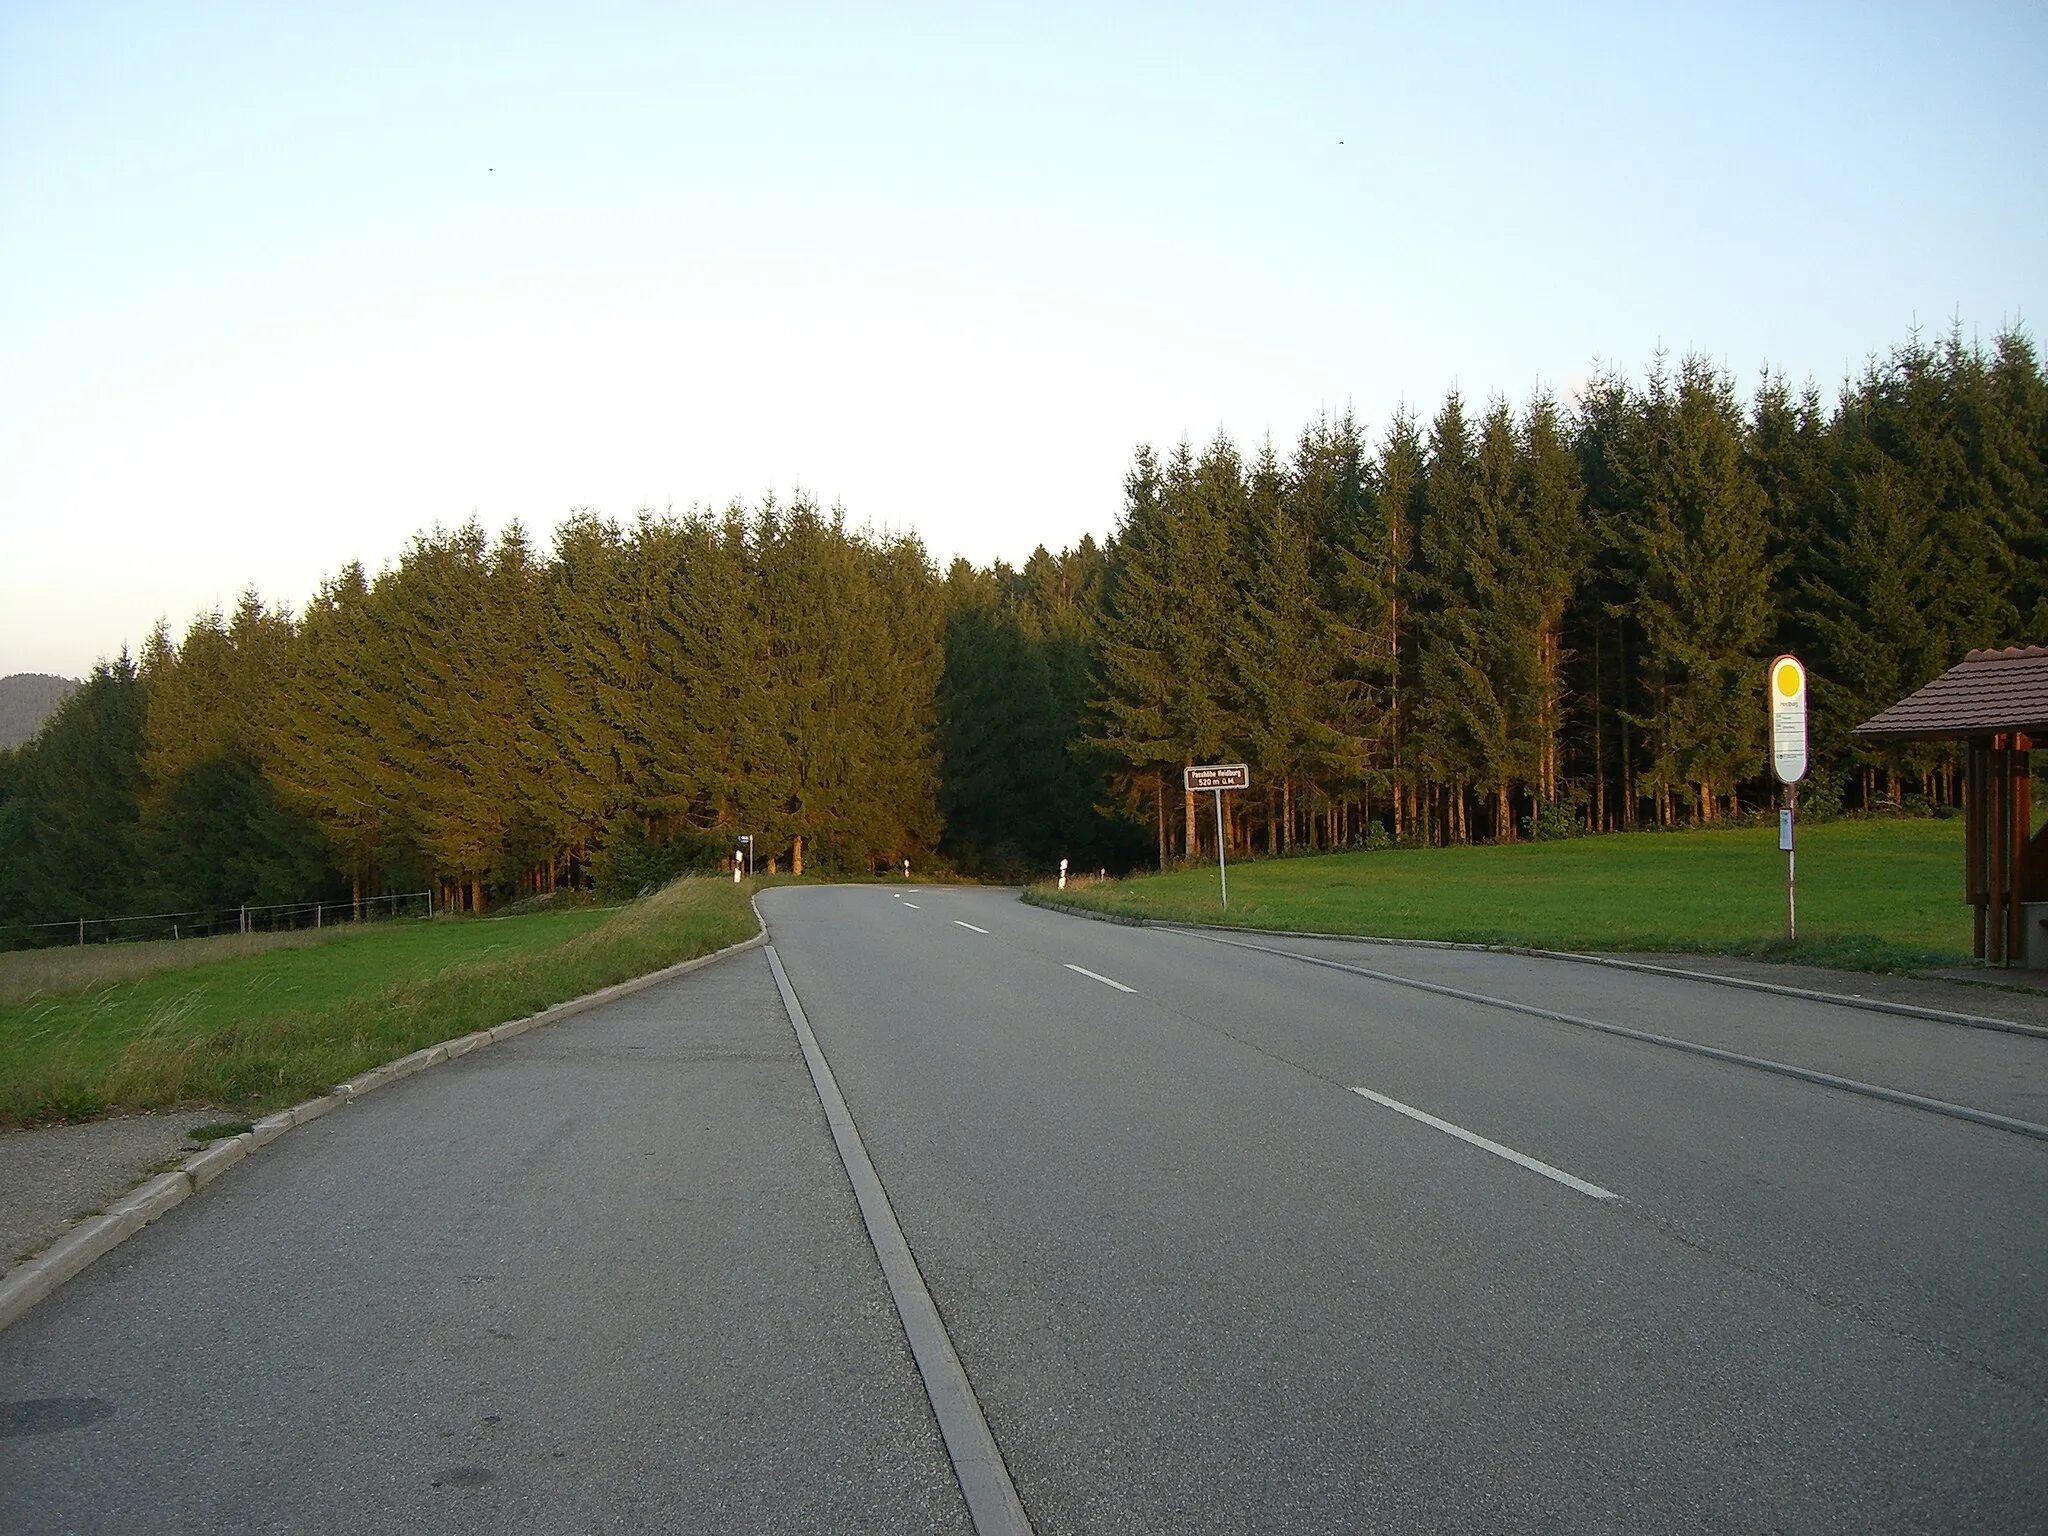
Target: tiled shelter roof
(1984, 693)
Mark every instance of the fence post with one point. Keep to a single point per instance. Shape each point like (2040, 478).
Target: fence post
(81, 931)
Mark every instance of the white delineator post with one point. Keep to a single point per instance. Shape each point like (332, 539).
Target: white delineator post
(1063, 874)
(1788, 762)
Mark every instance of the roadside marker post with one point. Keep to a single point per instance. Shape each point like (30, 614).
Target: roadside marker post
(1218, 777)
(1788, 762)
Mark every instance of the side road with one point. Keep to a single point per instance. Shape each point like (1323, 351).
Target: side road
(52, 1177)
(605, 1275)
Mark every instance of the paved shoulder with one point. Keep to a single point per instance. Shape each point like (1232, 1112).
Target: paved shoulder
(608, 1275)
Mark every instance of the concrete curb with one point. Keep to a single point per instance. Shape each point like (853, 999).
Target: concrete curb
(33, 1279)
(1743, 983)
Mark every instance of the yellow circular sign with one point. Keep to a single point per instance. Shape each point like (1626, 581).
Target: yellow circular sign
(1788, 678)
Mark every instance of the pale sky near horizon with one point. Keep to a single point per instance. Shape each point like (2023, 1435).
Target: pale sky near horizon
(281, 285)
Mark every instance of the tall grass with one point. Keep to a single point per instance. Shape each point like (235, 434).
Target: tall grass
(30, 973)
(256, 1032)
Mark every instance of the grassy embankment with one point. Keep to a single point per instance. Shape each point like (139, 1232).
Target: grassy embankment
(265, 1029)
(1880, 894)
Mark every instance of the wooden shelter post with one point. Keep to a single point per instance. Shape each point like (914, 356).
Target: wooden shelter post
(1998, 825)
(1998, 810)
(1977, 837)
(2019, 821)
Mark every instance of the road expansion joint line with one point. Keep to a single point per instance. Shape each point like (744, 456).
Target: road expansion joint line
(1898, 1096)
(1855, 1311)
(992, 1502)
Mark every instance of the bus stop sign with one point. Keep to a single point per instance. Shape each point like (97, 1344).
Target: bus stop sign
(1788, 719)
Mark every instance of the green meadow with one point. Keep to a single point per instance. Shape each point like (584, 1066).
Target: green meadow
(254, 1032)
(1873, 894)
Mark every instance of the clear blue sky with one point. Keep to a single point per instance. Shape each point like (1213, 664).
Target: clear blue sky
(281, 285)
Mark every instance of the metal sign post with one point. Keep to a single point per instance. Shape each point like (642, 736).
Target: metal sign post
(1218, 777)
(1788, 762)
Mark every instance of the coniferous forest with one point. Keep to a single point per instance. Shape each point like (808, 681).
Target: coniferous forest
(1494, 622)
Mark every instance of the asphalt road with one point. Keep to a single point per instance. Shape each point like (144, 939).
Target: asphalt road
(1201, 1284)
(611, 1275)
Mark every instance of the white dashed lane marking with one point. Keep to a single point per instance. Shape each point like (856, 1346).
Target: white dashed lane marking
(1518, 1158)
(1092, 976)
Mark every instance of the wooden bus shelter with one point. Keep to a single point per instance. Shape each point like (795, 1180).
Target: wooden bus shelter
(1996, 704)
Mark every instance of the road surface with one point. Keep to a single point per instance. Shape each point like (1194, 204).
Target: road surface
(1224, 1239)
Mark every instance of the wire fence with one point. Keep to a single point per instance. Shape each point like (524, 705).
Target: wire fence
(203, 922)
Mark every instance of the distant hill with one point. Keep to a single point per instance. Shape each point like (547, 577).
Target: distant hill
(27, 699)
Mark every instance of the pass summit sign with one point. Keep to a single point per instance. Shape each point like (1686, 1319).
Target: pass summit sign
(1218, 776)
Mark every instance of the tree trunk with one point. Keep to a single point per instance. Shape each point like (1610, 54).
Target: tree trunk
(1159, 805)
(1599, 744)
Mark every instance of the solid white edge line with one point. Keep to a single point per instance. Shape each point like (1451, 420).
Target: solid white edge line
(957, 923)
(1483, 1144)
(992, 1502)
(1093, 976)
(1669, 1042)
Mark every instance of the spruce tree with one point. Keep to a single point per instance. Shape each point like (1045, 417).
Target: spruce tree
(1139, 644)
(1693, 525)
(70, 827)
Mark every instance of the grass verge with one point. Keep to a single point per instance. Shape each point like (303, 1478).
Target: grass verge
(26, 974)
(1873, 895)
(257, 1032)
